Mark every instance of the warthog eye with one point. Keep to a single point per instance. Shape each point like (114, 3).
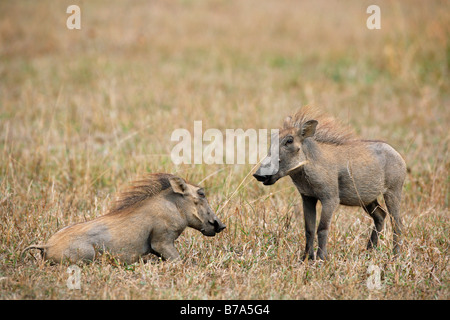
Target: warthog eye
(289, 140)
(201, 193)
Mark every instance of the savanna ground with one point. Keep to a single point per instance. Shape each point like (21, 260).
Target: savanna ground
(83, 112)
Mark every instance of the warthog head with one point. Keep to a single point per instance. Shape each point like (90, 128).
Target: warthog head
(290, 155)
(196, 208)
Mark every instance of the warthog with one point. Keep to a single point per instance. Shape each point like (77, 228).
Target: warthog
(146, 218)
(327, 162)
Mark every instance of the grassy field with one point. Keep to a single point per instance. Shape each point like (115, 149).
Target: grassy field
(84, 112)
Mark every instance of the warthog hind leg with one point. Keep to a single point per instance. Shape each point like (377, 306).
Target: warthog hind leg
(80, 251)
(392, 200)
(378, 215)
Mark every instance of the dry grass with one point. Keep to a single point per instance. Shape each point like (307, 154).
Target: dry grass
(84, 112)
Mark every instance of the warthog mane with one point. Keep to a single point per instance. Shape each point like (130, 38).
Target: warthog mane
(329, 130)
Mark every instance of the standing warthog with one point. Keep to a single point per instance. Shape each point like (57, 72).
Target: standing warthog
(327, 162)
(146, 218)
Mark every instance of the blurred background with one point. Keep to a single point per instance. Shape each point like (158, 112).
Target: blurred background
(83, 112)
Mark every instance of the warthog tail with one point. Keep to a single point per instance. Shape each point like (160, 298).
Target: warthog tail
(40, 247)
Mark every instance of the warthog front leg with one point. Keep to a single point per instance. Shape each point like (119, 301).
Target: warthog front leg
(309, 213)
(378, 214)
(165, 249)
(328, 207)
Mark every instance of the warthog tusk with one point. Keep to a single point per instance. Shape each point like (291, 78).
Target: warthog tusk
(301, 164)
(195, 214)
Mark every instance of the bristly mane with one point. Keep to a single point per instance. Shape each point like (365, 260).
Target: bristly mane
(140, 190)
(329, 130)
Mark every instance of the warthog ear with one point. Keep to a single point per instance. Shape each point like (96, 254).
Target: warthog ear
(287, 122)
(308, 128)
(178, 185)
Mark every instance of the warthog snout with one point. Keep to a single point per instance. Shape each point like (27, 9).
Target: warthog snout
(217, 226)
(265, 179)
(267, 171)
(260, 177)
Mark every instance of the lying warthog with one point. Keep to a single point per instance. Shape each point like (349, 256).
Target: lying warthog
(327, 162)
(146, 218)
